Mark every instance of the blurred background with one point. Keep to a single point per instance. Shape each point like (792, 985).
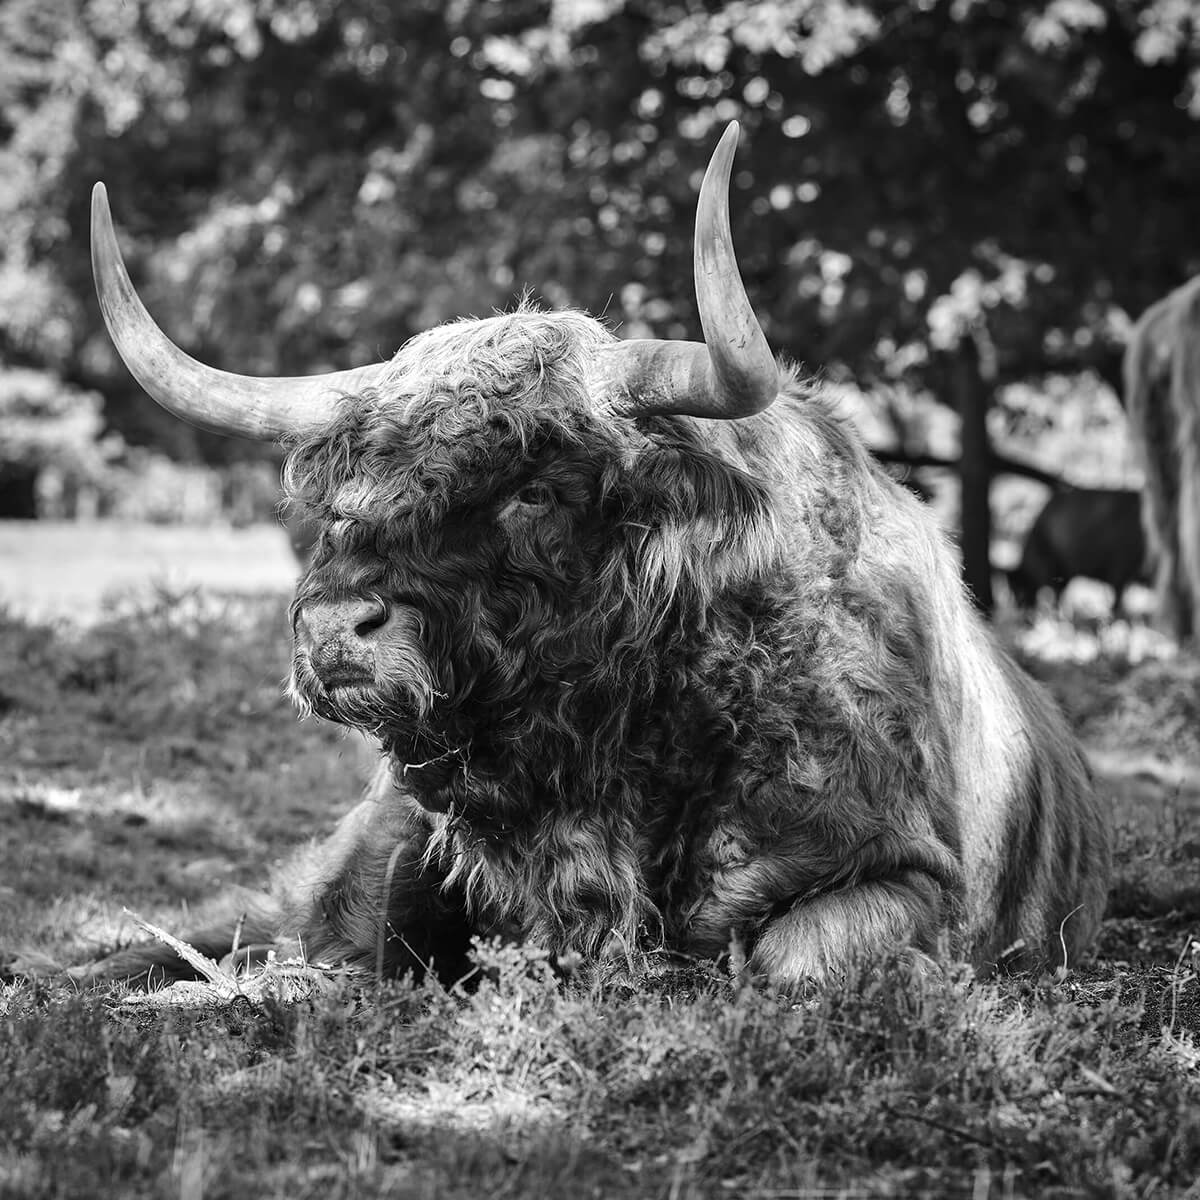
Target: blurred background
(953, 210)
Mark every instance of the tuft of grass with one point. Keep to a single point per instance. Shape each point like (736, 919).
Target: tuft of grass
(902, 1083)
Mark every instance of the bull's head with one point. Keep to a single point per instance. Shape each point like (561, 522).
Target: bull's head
(487, 541)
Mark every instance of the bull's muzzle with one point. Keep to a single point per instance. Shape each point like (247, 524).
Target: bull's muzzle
(342, 638)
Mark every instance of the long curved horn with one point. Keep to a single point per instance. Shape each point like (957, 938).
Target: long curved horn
(265, 409)
(733, 372)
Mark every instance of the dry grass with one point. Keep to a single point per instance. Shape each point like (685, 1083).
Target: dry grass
(149, 759)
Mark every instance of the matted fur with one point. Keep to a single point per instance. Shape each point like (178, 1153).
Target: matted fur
(664, 682)
(1162, 399)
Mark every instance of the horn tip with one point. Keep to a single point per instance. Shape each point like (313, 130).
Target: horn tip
(99, 201)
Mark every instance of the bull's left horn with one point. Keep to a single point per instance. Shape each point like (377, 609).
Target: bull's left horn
(733, 373)
(265, 409)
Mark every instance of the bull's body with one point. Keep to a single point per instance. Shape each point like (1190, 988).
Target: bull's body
(814, 746)
(1094, 533)
(649, 679)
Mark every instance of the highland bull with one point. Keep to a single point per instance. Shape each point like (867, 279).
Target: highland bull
(655, 655)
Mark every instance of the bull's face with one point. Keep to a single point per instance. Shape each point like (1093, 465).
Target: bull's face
(476, 494)
(464, 518)
(492, 546)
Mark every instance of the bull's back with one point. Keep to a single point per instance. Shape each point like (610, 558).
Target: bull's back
(1033, 836)
(1037, 886)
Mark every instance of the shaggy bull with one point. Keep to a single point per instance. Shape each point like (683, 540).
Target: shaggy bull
(1162, 398)
(656, 657)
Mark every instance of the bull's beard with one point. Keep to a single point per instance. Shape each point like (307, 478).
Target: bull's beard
(424, 757)
(397, 706)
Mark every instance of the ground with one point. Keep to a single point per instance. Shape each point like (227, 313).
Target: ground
(148, 760)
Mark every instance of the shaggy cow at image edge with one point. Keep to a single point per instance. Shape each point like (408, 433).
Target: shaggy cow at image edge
(655, 654)
(1162, 398)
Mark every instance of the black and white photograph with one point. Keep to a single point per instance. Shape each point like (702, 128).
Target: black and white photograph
(599, 598)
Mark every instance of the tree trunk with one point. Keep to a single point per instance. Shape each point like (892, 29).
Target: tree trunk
(972, 398)
(18, 492)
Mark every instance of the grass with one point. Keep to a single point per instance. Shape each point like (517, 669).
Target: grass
(67, 568)
(148, 760)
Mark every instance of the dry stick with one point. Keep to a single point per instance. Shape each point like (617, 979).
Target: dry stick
(427, 963)
(237, 942)
(210, 970)
(1188, 942)
(1062, 941)
(381, 936)
(990, 1143)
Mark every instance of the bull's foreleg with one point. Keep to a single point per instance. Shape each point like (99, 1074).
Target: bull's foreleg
(360, 898)
(820, 938)
(366, 898)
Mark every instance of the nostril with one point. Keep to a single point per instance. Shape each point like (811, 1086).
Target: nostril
(373, 616)
(334, 627)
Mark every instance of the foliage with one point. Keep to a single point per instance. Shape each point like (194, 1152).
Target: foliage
(305, 187)
(522, 1086)
(51, 442)
(56, 461)
(953, 194)
(148, 486)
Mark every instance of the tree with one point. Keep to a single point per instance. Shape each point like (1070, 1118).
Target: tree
(50, 440)
(962, 195)
(951, 194)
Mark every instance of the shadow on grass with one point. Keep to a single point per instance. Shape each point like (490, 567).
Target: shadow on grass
(896, 1085)
(148, 759)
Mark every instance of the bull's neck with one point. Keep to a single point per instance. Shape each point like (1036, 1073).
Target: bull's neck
(650, 743)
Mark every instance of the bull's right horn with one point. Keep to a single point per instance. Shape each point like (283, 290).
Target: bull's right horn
(732, 373)
(265, 409)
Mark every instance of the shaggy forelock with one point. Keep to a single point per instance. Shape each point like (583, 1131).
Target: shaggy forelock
(454, 393)
(474, 405)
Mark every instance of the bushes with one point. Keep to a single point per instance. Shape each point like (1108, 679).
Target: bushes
(52, 447)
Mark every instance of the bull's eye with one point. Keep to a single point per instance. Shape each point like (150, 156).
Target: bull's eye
(531, 500)
(533, 497)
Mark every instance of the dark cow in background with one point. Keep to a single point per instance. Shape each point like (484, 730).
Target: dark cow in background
(1095, 533)
(656, 657)
(1162, 400)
